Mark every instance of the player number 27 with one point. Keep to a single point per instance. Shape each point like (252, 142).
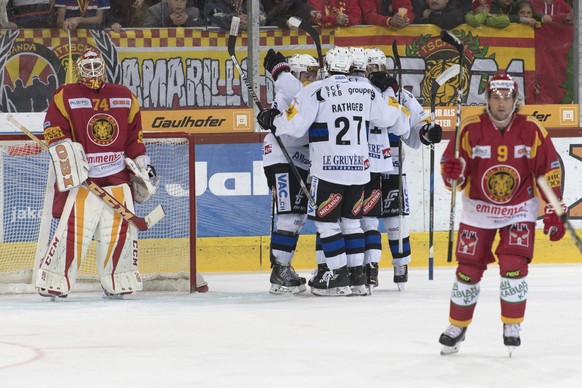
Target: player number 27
(343, 123)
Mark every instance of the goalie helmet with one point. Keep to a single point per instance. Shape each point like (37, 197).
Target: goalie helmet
(359, 59)
(302, 62)
(91, 69)
(499, 81)
(338, 60)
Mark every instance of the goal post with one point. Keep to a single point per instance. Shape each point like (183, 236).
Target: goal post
(167, 252)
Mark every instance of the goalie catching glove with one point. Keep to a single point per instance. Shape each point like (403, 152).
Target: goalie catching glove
(553, 225)
(70, 163)
(144, 180)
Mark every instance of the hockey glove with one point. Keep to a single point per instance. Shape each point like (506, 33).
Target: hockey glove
(552, 223)
(275, 63)
(266, 118)
(454, 169)
(431, 134)
(383, 81)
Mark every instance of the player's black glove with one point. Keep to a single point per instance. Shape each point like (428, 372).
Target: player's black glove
(431, 134)
(383, 81)
(275, 63)
(266, 118)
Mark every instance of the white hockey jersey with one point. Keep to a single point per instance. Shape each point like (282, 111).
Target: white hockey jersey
(337, 113)
(286, 87)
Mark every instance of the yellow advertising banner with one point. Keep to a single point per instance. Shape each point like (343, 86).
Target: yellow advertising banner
(551, 116)
(199, 120)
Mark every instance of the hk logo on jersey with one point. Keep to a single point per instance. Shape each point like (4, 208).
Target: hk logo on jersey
(519, 235)
(468, 242)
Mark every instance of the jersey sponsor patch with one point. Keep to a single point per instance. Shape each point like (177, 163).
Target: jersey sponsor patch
(120, 102)
(291, 111)
(357, 208)
(344, 162)
(521, 151)
(80, 103)
(483, 152)
(371, 201)
(554, 177)
(499, 183)
(329, 204)
(283, 193)
(52, 133)
(468, 242)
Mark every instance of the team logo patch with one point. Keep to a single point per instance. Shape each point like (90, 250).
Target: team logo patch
(468, 242)
(329, 204)
(499, 183)
(102, 129)
(291, 111)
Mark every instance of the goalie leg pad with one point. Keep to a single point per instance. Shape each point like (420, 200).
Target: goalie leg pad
(117, 249)
(58, 269)
(70, 163)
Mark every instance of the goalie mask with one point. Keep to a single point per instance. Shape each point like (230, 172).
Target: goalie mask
(303, 63)
(338, 60)
(91, 69)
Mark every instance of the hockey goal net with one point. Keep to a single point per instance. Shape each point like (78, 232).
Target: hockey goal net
(167, 252)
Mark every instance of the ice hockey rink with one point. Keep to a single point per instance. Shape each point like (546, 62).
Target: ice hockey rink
(237, 335)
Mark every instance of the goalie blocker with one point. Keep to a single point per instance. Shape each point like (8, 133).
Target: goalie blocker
(70, 163)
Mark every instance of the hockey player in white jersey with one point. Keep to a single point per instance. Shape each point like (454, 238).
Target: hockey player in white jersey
(335, 113)
(421, 132)
(290, 202)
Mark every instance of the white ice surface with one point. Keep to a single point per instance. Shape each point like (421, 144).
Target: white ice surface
(237, 335)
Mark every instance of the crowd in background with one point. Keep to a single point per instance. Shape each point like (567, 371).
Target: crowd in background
(121, 14)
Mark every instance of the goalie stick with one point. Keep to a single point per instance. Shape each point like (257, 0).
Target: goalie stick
(555, 202)
(231, 51)
(441, 79)
(305, 26)
(398, 68)
(451, 39)
(140, 223)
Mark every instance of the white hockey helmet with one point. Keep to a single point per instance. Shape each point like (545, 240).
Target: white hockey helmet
(359, 58)
(338, 60)
(376, 57)
(91, 68)
(302, 62)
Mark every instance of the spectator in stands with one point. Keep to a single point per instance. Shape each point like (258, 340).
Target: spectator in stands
(30, 14)
(173, 13)
(418, 6)
(220, 12)
(490, 13)
(558, 11)
(524, 10)
(337, 13)
(443, 13)
(391, 13)
(70, 15)
(279, 11)
(126, 14)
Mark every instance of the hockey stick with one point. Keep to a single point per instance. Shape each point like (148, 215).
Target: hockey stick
(305, 26)
(140, 223)
(231, 51)
(555, 202)
(69, 76)
(441, 79)
(451, 39)
(398, 66)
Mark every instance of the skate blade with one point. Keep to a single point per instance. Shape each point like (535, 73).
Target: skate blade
(282, 290)
(511, 349)
(447, 350)
(359, 291)
(370, 289)
(337, 291)
(400, 286)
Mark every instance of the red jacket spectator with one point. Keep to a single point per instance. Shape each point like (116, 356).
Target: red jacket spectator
(373, 14)
(559, 10)
(337, 12)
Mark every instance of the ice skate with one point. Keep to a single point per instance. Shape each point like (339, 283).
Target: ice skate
(371, 270)
(321, 268)
(511, 336)
(358, 280)
(401, 276)
(332, 283)
(284, 280)
(109, 295)
(54, 295)
(451, 338)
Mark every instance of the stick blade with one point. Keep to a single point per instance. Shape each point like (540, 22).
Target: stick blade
(450, 38)
(155, 216)
(446, 75)
(294, 22)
